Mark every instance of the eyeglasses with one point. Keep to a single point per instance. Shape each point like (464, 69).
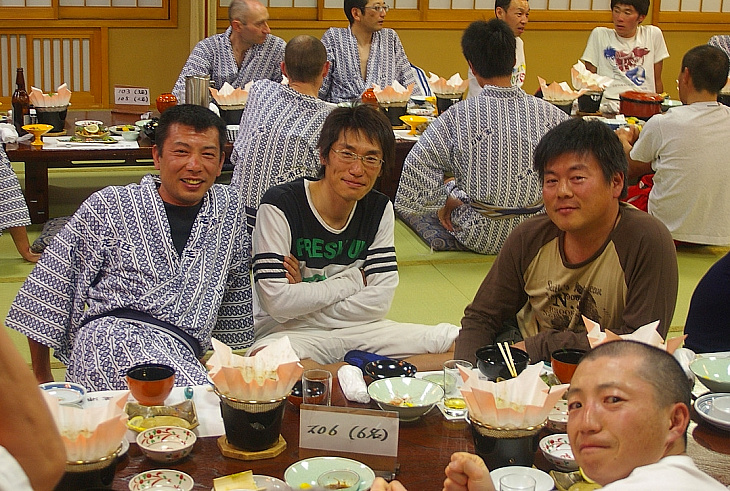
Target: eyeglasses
(379, 8)
(368, 160)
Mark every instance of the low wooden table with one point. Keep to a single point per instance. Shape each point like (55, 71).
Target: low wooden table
(38, 161)
(424, 450)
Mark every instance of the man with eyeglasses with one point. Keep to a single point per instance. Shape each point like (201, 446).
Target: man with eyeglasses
(364, 54)
(325, 269)
(245, 51)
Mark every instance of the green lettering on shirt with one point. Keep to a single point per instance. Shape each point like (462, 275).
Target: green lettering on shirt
(356, 247)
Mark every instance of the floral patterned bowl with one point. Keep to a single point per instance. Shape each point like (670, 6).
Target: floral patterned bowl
(166, 443)
(162, 479)
(556, 449)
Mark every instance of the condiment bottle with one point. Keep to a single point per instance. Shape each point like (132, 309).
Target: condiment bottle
(368, 97)
(21, 103)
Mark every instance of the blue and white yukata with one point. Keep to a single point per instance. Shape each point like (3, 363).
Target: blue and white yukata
(13, 210)
(276, 142)
(387, 62)
(487, 143)
(214, 56)
(117, 252)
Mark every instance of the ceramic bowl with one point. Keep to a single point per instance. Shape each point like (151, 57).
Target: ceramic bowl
(410, 397)
(167, 479)
(151, 383)
(343, 479)
(557, 451)
(564, 362)
(491, 363)
(130, 136)
(166, 443)
(67, 393)
(714, 373)
(387, 368)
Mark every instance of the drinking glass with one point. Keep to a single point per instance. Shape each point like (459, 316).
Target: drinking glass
(517, 482)
(453, 400)
(317, 387)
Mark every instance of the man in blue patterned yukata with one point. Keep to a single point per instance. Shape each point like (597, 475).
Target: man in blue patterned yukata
(277, 140)
(364, 54)
(246, 51)
(145, 272)
(486, 143)
(13, 211)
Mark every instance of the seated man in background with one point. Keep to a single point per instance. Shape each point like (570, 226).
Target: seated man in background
(687, 149)
(628, 407)
(589, 255)
(516, 14)
(14, 217)
(144, 273)
(364, 54)
(277, 139)
(32, 454)
(631, 54)
(486, 143)
(246, 51)
(324, 258)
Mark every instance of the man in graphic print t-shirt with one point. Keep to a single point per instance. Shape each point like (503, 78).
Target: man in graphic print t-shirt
(324, 258)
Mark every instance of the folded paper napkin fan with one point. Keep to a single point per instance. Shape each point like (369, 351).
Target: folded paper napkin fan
(90, 433)
(583, 78)
(559, 91)
(393, 93)
(228, 96)
(645, 334)
(454, 85)
(59, 99)
(521, 402)
(269, 374)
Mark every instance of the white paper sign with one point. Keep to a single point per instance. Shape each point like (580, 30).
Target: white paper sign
(365, 431)
(137, 96)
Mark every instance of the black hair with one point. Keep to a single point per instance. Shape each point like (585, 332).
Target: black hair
(490, 48)
(358, 118)
(581, 137)
(351, 4)
(641, 6)
(197, 117)
(708, 67)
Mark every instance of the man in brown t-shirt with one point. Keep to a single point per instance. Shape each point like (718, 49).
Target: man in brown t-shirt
(589, 255)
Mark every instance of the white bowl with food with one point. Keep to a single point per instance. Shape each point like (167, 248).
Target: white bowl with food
(410, 397)
(557, 450)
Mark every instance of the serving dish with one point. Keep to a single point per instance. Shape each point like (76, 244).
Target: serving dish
(67, 393)
(703, 406)
(161, 479)
(713, 372)
(410, 397)
(166, 443)
(145, 417)
(308, 470)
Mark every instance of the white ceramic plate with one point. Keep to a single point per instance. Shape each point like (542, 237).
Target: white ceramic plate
(125, 447)
(703, 405)
(308, 470)
(403, 135)
(161, 478)
(65, 392)
(543, 479)
(117, 130)
(268, 483)
(87, 122)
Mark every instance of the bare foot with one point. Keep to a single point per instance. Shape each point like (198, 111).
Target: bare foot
(30, 256)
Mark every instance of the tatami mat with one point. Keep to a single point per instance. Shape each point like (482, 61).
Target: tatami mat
(434, 286)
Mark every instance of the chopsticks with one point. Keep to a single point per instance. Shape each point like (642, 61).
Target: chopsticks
(507, 355)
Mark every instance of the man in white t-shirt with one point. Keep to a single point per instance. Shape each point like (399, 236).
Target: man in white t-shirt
(628, 407)
(516, 14)
(687, 150)
(631, 54)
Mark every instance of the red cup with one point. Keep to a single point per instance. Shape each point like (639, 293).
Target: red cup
(151, 383)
